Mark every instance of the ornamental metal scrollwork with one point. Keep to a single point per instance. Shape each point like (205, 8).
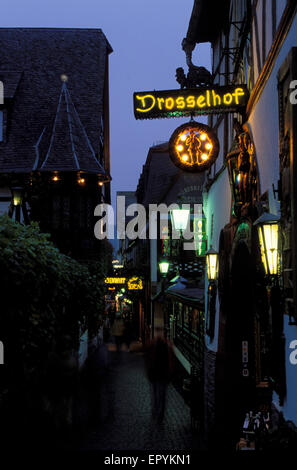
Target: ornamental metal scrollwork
(196, 76)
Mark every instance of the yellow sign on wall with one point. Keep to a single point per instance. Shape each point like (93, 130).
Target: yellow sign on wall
(115, 280)
(133, 283)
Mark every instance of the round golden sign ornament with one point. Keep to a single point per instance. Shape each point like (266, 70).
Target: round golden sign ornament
(193, 147)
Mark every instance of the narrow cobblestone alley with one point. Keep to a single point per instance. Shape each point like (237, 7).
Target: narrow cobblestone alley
(126, 421)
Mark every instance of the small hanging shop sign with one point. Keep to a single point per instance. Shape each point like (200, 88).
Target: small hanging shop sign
(190, 102)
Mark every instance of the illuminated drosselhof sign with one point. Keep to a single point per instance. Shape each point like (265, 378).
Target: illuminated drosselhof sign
(197, 101)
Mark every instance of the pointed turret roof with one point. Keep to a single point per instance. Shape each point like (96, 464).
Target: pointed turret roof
(65, 145)
(32, 63)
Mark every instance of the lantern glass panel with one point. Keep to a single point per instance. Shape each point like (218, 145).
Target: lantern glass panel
(164, 266)
(179, 218)
(17, 196)
(271, 242)
(212, 260)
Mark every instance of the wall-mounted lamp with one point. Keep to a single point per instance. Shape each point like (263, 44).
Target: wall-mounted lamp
(81, 180)
(17, 195)
(268, 232)
(179, 219)
(17, 201)
(164, 267)
(212, 263)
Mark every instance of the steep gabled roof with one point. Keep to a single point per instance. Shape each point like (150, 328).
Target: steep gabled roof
(157, 174)
(32, 61)
(67, 146)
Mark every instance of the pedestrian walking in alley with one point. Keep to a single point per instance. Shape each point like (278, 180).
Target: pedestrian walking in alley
(117, 331)
(159, 359)
(94, 377)
(106, 328)
(61, 379)
(128, 332)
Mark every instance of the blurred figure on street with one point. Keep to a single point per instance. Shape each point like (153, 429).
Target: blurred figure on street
(159, 360)
(61, 378)
(128, 332)
(106, 328)
(117, 330)
(94, 377)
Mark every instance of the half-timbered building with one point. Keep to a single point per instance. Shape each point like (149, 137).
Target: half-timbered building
(248, 352)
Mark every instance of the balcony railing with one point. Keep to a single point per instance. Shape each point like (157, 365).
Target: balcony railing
(190, 345)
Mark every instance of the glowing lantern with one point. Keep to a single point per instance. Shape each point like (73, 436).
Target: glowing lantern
(81, 180)
(17, 195)
(179, 218)
(164, 267)
(55, 178)
(268, 231)
(212, 258)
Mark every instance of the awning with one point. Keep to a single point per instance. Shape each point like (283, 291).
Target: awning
(207, 19)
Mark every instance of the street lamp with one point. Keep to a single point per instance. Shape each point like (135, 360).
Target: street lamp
(17, 195)
(268, 232)
(179, 218)
(212, 263)
(164, 267)
(17, 199)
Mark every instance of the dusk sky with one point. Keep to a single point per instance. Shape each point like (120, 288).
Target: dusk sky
(146, 39)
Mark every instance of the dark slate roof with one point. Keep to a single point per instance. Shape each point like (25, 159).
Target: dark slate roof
(68, 138)
(157, 175)
(31, 64)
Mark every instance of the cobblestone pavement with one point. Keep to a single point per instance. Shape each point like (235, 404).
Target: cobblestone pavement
(126, 421)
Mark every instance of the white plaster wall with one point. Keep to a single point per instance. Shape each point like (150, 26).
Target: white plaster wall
(83, 349)
(263, 122)
(218, 203)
